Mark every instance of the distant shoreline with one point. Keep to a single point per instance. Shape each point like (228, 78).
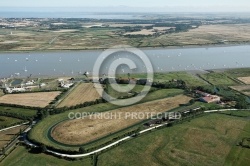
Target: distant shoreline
(142, 48)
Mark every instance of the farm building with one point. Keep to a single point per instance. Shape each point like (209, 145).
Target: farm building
(13, 90)
(210, 99)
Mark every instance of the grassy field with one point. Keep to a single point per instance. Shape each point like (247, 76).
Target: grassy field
(40, 131)
(237, 113)
(112, 92)
(21, 157)
(7, 135)
(218, 79)
(41, 99)
(82, 93)
(235, 73)
(239, 156)
(19, 111)
(8, 121)
(190, 79)
(204, 141)
(80, 131)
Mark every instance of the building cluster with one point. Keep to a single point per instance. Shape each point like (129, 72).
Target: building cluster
(8, 88)
(208, 98)
(14, 89)
(66, 84)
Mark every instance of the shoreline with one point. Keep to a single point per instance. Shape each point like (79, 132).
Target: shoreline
(142, 48)
(193, 72)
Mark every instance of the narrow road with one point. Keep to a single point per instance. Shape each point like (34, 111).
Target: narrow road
(13, 126)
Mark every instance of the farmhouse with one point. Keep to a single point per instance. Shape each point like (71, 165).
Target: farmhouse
(210, 99)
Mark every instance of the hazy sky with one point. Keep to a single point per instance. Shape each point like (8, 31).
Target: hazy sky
(132, 3)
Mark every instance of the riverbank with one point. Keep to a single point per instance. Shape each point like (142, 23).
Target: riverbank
(142, 48)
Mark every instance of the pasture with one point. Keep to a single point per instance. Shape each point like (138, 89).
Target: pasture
(22, 157)
(206, 140)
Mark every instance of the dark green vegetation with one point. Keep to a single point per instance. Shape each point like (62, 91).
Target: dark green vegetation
(22, 157)
(9, 121)
(209, 140)
(10, 116)
(17, 112)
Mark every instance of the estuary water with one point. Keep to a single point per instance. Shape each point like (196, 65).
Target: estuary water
(72, 63)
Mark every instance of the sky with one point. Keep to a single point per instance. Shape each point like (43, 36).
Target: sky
(235, 5)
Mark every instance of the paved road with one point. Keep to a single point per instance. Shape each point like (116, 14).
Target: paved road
(13, 126)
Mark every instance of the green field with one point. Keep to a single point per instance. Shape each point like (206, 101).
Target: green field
(237, 113)
(8, 121)
(18, 111)
(239, 156)
(112, 92)
(218, 79)
(235, 73)
(190, 79)
(203, 141)
(40, 131)
(21, 157)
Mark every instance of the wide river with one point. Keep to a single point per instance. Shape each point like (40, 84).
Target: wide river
(73, 63)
